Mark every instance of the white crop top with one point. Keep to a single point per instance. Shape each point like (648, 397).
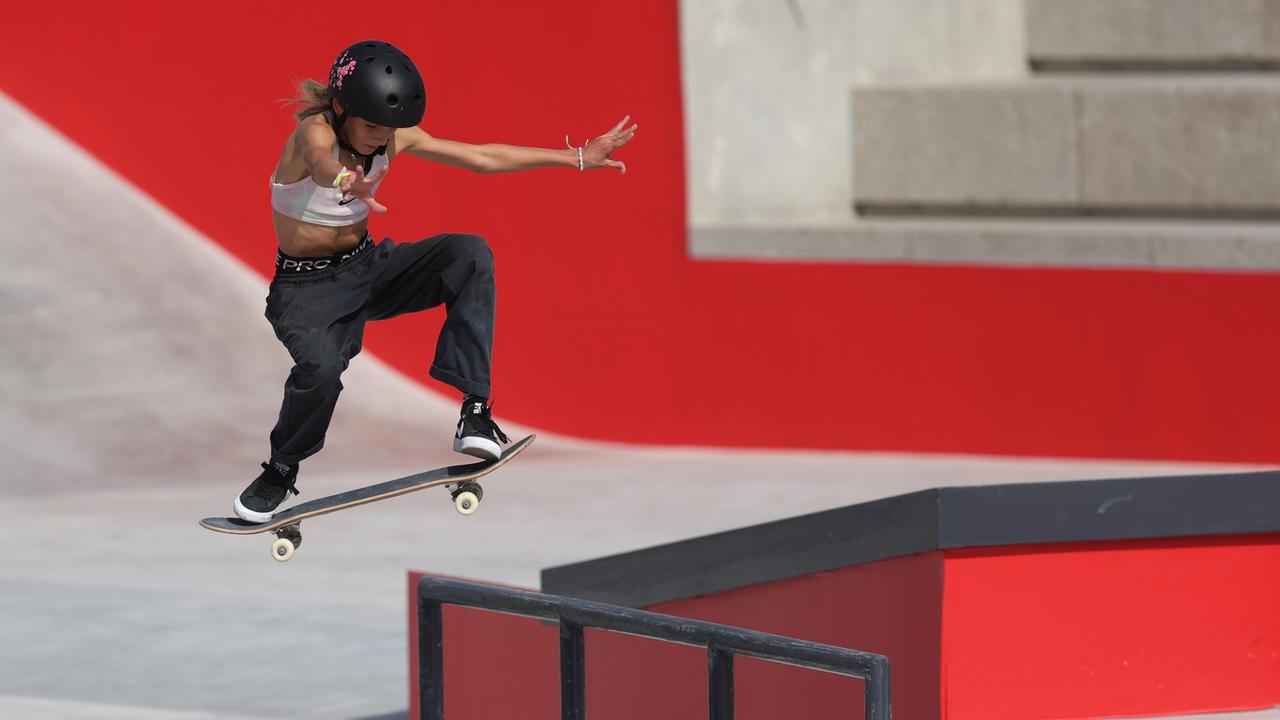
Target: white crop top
(307, 201)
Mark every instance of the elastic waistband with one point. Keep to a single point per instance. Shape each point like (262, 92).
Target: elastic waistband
(287, 265)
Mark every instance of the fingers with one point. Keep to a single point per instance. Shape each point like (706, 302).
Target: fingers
(617, 131)
(617, 136)
(625, 137)
(604, 145)
(377, 175)
(612, 140)
(358, 181)
(357, 185)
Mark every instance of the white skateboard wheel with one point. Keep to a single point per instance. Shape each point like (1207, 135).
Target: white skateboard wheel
(282, 549)
(466, 502)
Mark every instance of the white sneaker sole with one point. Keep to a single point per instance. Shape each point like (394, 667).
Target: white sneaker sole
(248, 515)
(480, 447)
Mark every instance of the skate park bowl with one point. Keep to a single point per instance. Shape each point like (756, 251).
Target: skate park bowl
(937, 331)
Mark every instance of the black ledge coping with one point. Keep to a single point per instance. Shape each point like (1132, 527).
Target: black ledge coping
(941, 518)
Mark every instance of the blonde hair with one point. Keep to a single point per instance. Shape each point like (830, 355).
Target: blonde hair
(313, 96)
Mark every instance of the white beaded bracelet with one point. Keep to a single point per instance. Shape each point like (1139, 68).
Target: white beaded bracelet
(581, 166)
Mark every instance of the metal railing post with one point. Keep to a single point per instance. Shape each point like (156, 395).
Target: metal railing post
(431, 663)
(878, 691)
(719, 683)
(573, 671)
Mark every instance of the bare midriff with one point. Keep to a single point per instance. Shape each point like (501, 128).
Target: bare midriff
(304, 239)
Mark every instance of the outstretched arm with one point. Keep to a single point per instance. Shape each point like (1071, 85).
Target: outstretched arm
(497, 158)
(317, 141)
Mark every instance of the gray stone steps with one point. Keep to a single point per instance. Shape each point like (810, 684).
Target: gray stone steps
(1153, 34)
(1168, 145)
(1061, 242)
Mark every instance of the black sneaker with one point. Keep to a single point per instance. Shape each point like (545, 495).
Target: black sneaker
(259, 501)
(478, 434)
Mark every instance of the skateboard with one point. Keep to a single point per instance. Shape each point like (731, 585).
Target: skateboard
(460, 480)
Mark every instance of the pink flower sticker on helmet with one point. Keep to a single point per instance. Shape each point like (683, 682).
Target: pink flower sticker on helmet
(341, 71)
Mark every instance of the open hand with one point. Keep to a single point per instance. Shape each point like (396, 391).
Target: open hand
(357, 185)
(596, 154)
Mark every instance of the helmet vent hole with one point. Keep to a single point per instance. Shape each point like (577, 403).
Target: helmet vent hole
(393, 100)
(369, 59)
(388, 69)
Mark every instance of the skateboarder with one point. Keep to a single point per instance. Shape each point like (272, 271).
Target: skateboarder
(331, 276)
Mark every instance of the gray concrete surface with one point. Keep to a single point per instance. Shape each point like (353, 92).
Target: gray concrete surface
(1204, 143)
(1160, 145)
(24, 707)
(959, 145)
(1040, 242)
(137, 381)
(1183, 33)
(133, 350)
(766, 101)
(1268, 714)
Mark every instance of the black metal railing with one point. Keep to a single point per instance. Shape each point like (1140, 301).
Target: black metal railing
(721, 641)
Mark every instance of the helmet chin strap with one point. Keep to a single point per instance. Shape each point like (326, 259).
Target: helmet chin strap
(338, 121)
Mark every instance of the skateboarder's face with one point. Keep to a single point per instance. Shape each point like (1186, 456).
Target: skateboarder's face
(368, 137)
(363, 135)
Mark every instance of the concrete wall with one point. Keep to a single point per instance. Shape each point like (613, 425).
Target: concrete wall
(1028, 110)
(766, 88)
(1153, 33)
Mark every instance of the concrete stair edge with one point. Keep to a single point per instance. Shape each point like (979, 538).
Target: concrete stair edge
(1212, 246)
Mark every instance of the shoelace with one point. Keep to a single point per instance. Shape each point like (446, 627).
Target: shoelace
(497, 430)
(487, 416)
(290, 488)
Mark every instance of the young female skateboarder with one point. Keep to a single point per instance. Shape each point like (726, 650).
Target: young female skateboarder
(331, 276)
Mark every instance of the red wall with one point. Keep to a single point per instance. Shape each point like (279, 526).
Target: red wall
(891, 607)
(494, 665)
(597, 298)
(1112, 629)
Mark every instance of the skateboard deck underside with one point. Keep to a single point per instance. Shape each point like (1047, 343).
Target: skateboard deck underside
(391, 488)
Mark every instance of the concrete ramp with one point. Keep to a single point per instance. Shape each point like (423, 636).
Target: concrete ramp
(135, 350)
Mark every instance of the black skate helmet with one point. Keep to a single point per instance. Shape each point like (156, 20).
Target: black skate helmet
(375, 81)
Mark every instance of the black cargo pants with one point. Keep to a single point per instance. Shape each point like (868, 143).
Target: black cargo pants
(318, 308)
